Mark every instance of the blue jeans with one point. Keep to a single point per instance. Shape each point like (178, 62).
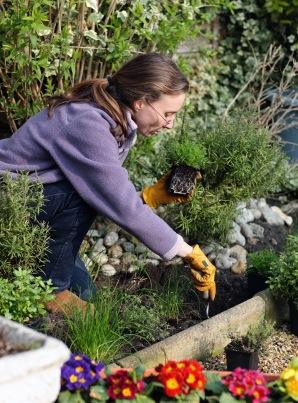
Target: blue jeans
(69, 219)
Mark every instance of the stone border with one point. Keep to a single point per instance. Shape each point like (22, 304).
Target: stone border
(211, 335)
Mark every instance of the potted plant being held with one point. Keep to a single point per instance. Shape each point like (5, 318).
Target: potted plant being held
(283, 280)
(185, 159)
(243, 351)
(258, 269)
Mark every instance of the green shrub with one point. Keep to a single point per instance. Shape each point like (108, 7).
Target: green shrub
(23, 241)
(283, 279)
(23, 298)
(242, 161)
(23, 247)
(261, 262)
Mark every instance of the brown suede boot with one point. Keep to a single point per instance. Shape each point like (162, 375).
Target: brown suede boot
(65, 302)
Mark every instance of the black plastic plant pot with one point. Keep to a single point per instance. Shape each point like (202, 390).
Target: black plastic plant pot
(255, 283)
(182, 179)
(241, 359)
(293, 318)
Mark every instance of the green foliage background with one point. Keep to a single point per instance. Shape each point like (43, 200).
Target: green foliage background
(49, 45)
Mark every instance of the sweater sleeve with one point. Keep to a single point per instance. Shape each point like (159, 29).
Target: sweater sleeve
(87, 153)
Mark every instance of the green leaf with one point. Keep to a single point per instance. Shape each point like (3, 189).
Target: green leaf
(228, 398)
(193, 396)
(143, 399)
(139, 371)
(70, 397)
(95, 17)
(91, 34)
(98, 392)
(214, 383)
(92, 4)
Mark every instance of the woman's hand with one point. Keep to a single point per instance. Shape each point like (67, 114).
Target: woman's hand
(158, 194)
(203, 271)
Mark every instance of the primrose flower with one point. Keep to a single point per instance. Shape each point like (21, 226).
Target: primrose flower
(243, 383)
(289, 380)
(122, 386)
(180, 377)
(79, 372)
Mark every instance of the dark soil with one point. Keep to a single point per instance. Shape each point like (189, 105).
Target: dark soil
(7, 348)
(182, 180)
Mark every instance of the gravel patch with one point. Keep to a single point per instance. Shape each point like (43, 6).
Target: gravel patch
(275, 355)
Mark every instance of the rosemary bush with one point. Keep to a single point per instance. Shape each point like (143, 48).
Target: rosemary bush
(23, 247)
(242, 161)
(23, 241)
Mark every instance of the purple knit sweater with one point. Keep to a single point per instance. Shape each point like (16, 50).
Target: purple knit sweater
(76, 144)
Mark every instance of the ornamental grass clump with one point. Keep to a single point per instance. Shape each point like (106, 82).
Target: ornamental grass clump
(241, 160)
(99, 332)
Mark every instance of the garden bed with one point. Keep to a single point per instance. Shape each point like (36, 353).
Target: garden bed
(148, 285)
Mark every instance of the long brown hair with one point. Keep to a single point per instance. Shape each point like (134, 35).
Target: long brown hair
(147, 76)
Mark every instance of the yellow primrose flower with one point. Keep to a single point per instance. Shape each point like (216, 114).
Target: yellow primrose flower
(287, 374)
(292, 388)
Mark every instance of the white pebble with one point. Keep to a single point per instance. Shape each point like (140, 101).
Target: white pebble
(111, 238)
(108, 270)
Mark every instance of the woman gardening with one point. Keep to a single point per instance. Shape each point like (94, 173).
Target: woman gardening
(76, 147)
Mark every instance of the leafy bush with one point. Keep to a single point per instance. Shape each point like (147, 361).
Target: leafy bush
(23, 241)
(290, 183)
(23, 247)
(48, 46)
(261, 262)
(24, 298)
(283, 279)
(242, 162)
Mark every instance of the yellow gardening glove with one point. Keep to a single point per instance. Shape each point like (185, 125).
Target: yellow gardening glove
(158, 194)
(203, 271)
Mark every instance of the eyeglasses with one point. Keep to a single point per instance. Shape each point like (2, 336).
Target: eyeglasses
(167, 121)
